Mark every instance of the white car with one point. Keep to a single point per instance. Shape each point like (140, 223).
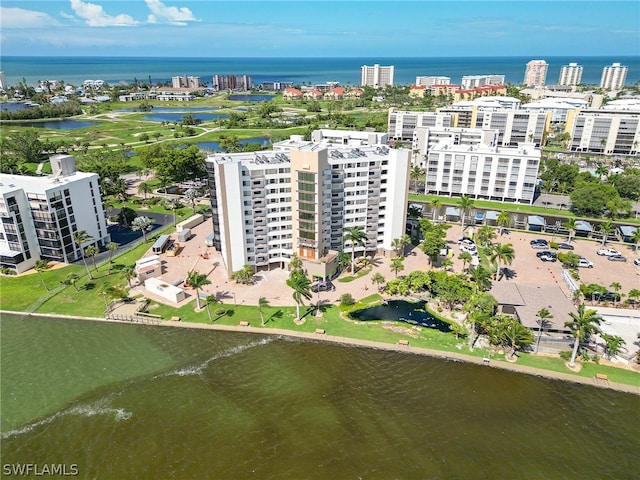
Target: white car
(636, 261)
(469, 248)
(608, 252)
(584, 263)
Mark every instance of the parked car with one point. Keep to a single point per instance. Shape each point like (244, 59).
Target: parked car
(539, 244)
(322, 287)
(636, 261)
(546, 253)
(608, 252)
(469, 248)
(607, 296)
(548, 258)
(584, 263)
(565, 246)
(617, 258)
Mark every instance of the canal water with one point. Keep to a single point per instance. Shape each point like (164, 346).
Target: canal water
(129, 401)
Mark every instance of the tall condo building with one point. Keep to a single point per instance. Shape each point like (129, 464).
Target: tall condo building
(3, 81)
(232, 82)
(376, 76)
(536, 73)
(39, 215)
(431, 81)
(186, 82)
(570, 74)
(613, 77)
(300, 197)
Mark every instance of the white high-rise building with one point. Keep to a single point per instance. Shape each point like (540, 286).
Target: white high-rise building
(507, 174)
(613, 77)
(376, 76)
(536, 73)
(299, 198)
(39, 215)
(3, 81)
(570, 74)
(475, 81)
(430, 81)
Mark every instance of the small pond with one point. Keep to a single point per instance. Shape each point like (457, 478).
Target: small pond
(413, 313)
(251, 98)
(177, 117)
(171, 109)
(13, 106)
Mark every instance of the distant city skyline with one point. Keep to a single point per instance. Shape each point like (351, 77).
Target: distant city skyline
(412, 28)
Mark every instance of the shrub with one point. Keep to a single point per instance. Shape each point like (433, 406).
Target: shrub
(346, 299)
(565, 355)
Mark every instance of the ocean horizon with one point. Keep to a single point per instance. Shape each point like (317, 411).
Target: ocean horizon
(313, 70)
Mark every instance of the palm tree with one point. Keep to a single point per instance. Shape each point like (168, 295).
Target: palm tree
(617, 287)
(145, 188)
(544, 315)
(481, 277)
(207, 301)
(41, 266)
(144, 224)
(262, 303)
(92, 251)
(636, 239)
(415, 174)
(80, 237)
(112, 247)
(405, 240)
(634, 293)
(466, 257)
(355, 236)
(517, 335)
(295, 263)
(397, 265)
(301, 286)
(128, 273)
(435, 205)
(503, 254)
(73, 278)
(601, 170)
(583, 324)
(606, 228)
(485, 234)
(397, 245)
(570, 225)
(613, 344)
(378, 279)
(503, 220)
(197, 281)
(465, 203)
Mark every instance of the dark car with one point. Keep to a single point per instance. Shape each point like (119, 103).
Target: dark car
(565, 246)
(617, 258)
(322, 287)
(546, 253)
(607, 296)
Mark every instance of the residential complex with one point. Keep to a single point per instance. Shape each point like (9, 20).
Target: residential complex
(376, 76)
(536, 73)
(474, 81)
(430, 81)
(605, 130)
(402, 124)
(233, 82)
(570, 74)
(40, 215)
(485, 171)
(613, 77)
(300, 197)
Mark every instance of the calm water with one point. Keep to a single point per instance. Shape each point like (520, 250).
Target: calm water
(112, 70)
(63, 124)
(177, 117)
(413, 313)
(124, 401)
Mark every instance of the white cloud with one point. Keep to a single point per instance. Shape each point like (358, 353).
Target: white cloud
(95, 16)
(174, 15)
(20, 18)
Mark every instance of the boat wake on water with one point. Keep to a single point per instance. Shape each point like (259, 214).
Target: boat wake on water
(198, 369)
(90, 410)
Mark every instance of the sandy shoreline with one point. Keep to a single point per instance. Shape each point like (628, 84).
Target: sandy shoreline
(514, 367)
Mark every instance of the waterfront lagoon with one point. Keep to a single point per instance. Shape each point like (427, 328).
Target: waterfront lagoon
(61, 124)
(414, 313)
(134, 401)
(251, 98)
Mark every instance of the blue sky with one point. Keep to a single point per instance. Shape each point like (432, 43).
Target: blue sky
(356, 28)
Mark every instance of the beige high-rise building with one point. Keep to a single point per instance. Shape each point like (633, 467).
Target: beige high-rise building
(570, 74)
(376, 76)
(536, 73)
(613, 77)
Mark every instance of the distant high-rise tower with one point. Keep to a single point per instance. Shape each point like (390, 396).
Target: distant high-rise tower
(3, 82)
(613, 77)
(570, 74)
(376, 76)
(536, 73)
